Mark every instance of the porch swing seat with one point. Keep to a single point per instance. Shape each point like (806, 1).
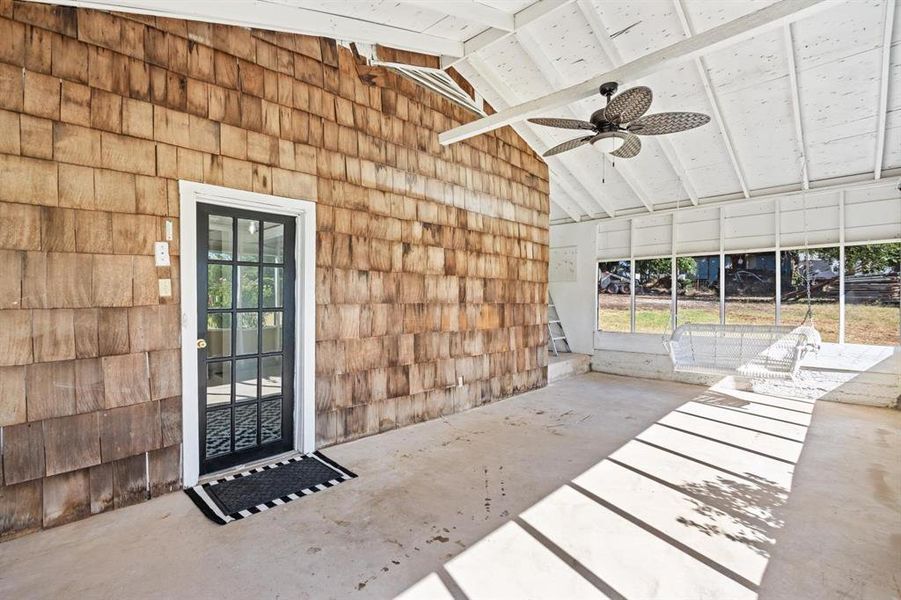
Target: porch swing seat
(755, 351)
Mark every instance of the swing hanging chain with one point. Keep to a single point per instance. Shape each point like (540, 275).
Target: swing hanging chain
(808, 316)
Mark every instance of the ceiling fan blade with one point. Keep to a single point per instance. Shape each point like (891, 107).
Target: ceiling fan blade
(671, 122)
(629, 105)
(571, 144)
(630, 148)
(562, 123)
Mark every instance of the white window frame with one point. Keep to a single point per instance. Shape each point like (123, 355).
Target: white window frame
(304, 212)
(777, 250)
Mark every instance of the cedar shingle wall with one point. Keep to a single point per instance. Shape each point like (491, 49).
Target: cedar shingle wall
(432, 261)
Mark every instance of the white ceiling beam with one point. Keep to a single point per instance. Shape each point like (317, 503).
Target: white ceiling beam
(529, 14)
(688, 30)
(796, 104)
(555, 80)
(608, 48)
(473, 12)
(281, 15)
(832, 186)
(888, 22)
(721, 36)
(503, 96)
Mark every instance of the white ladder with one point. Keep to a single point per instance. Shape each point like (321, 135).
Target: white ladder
(555, 331)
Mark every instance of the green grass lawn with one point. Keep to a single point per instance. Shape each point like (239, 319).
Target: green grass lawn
(865, 323)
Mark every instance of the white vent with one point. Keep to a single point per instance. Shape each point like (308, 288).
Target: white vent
(436, 80)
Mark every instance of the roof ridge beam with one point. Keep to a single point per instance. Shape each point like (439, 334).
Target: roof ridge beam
(718, 37)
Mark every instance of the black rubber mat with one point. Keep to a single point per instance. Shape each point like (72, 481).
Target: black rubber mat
(238, 496)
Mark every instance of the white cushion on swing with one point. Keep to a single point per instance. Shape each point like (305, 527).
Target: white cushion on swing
(760, 351)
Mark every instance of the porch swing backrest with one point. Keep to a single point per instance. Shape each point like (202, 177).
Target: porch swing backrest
(761, 351)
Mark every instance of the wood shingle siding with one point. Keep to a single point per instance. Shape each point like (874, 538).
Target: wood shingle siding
(431, 261)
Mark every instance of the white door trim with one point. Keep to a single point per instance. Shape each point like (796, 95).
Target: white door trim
(305, 318)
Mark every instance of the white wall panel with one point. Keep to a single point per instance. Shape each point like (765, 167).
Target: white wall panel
(811, 220)
(698, 231)
(613, 239)
(653, 236)
(873, 214)
(750, 225)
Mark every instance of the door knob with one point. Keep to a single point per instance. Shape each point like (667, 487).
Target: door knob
(201, 343)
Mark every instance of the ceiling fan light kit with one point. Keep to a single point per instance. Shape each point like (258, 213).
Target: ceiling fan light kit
(616, 127)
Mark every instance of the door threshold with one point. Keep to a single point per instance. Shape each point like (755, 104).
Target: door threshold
(246, 466)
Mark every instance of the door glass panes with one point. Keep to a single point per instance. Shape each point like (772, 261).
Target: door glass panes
(219, 286)
(220, 238)
(248, 287)
(247, 363)
(272, 332)
(614, 296)
(270, 420)
(820, 268)
(245, 426)
(273, 286)
(218, 432)
(271, 375)
(872, 288)
(248, 240)
(273, 242)
(653, 295)
(219, 334)
(245, 379)
(247, 334)
(750, 281)
(698, 289)
(218, 383)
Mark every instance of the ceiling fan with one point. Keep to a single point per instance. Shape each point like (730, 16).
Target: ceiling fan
(616, 127)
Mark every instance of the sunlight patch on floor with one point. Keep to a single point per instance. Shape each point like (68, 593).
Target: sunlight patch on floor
(687, 509)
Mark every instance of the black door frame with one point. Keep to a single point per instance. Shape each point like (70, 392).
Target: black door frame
(288, 405)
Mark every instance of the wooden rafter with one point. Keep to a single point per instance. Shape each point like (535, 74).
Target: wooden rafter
(882, 113)
(474, 12)
(281, 15)
(680, 52)
(688, 30)
(596, 23)
(554, 80)
(536, 139)
(796, 104)
(527, 15)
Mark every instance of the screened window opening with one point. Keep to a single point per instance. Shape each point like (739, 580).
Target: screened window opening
(820, 269)
(872, 305)
(653, 295)
(614, 296)
(698, 289)
(750, 281)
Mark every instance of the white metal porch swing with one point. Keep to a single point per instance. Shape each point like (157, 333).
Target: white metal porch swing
(752, 351)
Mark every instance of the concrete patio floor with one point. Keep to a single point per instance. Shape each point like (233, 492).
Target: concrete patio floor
(440, 502)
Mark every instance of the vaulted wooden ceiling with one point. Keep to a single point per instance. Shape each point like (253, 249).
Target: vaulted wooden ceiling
(811, 101)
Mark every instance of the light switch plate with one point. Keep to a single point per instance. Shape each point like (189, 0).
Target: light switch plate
(161, 254)
(165, 288)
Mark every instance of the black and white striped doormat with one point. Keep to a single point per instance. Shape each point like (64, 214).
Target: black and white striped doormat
(243, 494)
